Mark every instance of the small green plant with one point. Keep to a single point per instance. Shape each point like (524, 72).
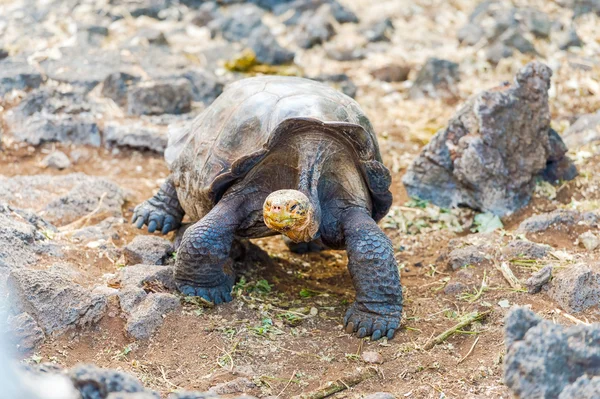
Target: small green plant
(291, 318)
(307, 293)
(417, 203)
(486, 223)
(266, 327)
(120, 355)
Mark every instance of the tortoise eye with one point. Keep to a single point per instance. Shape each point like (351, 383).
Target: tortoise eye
(294, 207)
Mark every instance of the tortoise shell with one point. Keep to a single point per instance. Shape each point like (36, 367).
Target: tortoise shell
(247, 121)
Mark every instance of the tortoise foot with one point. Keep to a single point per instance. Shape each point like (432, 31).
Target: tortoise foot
(364, 323)
(156, 216)
(217, 295)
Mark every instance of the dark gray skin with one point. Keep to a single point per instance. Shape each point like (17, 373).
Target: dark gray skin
(324, 171)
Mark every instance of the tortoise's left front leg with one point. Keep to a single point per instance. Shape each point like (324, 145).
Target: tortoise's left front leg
(378, 306)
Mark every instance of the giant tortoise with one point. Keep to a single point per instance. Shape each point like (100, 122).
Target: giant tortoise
(280, 155)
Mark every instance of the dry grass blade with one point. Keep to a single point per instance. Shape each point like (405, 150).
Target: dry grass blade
(509, 275)
(83, 221)
(333, 387)
(465, 321)
(469, 352)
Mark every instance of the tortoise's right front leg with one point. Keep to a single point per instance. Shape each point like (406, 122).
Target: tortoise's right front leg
(203, 266)
(162, 212)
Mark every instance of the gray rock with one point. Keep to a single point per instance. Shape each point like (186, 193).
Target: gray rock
(539, 279)
(525, 249)
(391, 73)
(454, 287)
(116, 85)
(589, 240)
(136, 134)
(569, 39)
(130, 297)
(380, 395)
(339, 82)
(205, 86)
(581, 7)
(497, 52)
(267, 49)
(82, 67)
(343, 53)
(470, 34)
(95, 383)
(380, 31)
(314, 28)
(198, 395)
(301, 7)
(17, 74)
(538, 22)
(577, 288)
(583, 388)
(135, 395)
(153, 98)
(145, 318)
(3, 54)
(136, 276)
(50, 101)
(544, 358)
(239, 385)
(557, 219)
(585, 130)
(471, 255)
(25, 332)
(56, 303)
(239, 23)
(556, 171)
(436, 79)
(56, 160)
(206, 13)
(40, 129)
(63, 199)
(148, 250)
(21, 241)
(492, 150)
(519, 42)
(91, 194)
(151, 36)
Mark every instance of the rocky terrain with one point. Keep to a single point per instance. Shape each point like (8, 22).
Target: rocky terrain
(488, 117)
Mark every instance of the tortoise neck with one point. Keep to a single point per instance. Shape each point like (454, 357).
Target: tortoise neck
(313, 154)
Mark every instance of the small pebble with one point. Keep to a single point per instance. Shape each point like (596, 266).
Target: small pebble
(57, 160)
(372, 357)
(589, 240)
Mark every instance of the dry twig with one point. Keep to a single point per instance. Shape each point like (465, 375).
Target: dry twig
(509, 276)
(465, 321)
(337, 386)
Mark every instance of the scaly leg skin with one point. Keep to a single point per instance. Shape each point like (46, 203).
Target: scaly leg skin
(377, 309)
(203, 266)
(163, 212)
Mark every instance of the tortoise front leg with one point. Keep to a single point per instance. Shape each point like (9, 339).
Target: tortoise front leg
(203, 266)
(163, 212)
(378, 306)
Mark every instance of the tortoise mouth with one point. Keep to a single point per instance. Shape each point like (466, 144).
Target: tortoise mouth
(284, 223)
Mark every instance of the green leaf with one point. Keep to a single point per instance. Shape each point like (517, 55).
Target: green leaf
(504, 303)
(487, 222)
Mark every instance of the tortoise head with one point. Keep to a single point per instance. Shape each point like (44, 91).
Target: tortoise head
(291, 213)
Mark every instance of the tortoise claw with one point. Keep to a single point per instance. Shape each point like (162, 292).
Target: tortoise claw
(366, 324)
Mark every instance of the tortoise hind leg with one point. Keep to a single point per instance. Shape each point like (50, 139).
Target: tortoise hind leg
(304, 247)
(374, 271)
(163, 212)
(204, 266)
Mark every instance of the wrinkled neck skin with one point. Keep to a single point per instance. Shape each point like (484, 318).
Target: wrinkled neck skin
(313, 153)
